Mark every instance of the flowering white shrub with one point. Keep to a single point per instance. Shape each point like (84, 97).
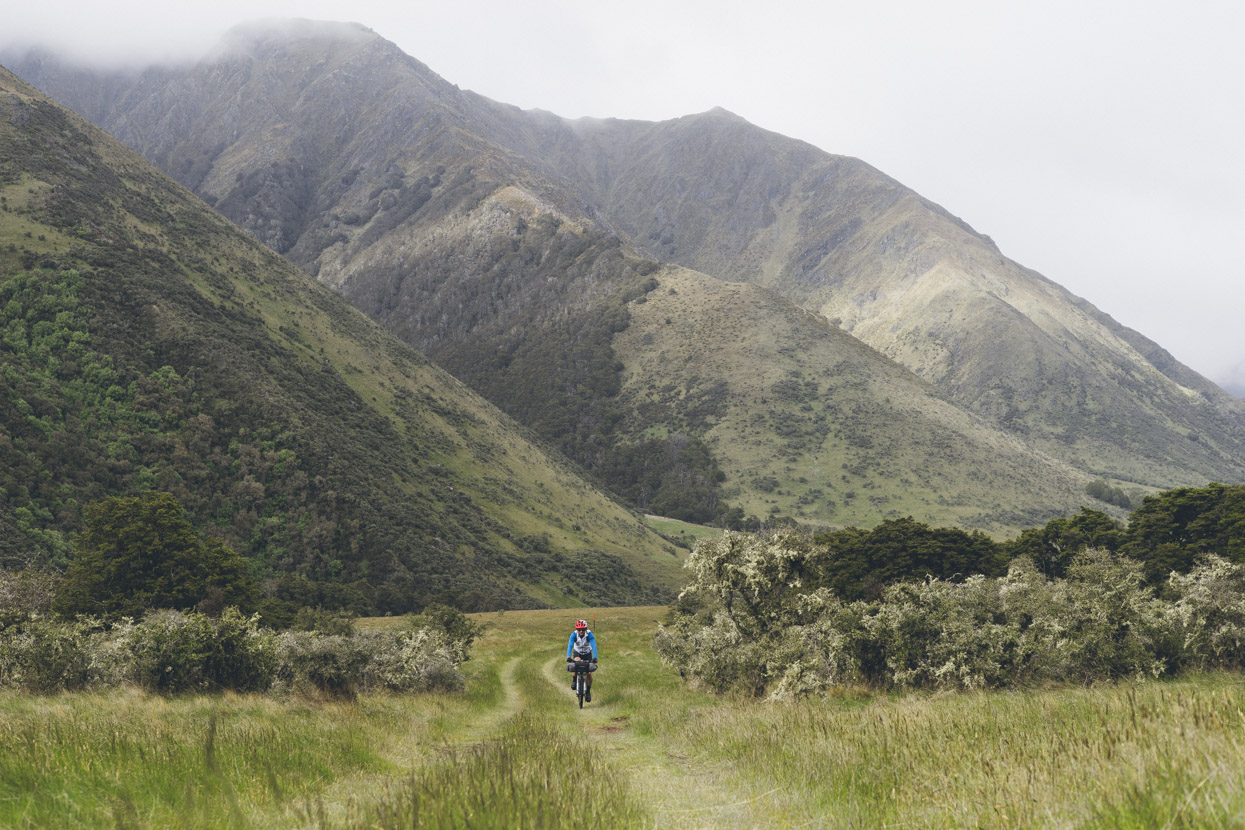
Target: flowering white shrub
(342, 665)
(1209, 615)
(42, 654)
(171, 652)
(414, 661)
(748, 623)
(716, 654)
(830, 651)
(309, 663)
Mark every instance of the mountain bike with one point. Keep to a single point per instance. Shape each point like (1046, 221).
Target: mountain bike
(581, 668)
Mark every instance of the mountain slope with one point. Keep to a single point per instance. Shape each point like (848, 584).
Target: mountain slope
(808, 421)
(717, 194)
(149, 343)
(363, 173)
(514, 247)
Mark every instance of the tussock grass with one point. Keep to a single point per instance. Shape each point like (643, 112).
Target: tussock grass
(1128, 755)
(534, 775)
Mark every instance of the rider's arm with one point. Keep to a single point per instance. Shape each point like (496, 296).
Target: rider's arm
(592, 638)
(569, 644)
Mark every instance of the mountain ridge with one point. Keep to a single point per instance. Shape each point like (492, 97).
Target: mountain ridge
(741, 216)
(446, 216)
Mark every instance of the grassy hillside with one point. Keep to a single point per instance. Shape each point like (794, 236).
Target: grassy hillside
(652, 752)
(808, 422)
(150, 344)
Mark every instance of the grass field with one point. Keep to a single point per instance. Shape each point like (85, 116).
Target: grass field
(676, 529)
(515, 751)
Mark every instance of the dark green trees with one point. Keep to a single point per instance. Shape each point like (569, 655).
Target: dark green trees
(1052, 547)
(1101, 490)
(140, 553)
(859, 563)
(1172, 529)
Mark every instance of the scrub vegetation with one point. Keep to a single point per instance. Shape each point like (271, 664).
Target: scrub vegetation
(906, 606)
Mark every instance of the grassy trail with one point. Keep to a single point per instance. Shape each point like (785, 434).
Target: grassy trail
(1132, 755)
(647, 780)
(676, 791)
(678, 785)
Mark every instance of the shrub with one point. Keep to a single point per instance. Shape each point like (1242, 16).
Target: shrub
(413, 661)
(827, 652)
(41, 654)
(336, 665)
(1105, 622)
(1209, 614)
(25, 593)
(323, 621)
(458, 629)
(326, 664)
(746, 623)
(170, 651)
(717, 655)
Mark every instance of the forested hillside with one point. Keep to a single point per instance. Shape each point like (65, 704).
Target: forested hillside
(148, 344)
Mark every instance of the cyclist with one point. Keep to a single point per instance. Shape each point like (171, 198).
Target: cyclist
(582, 646)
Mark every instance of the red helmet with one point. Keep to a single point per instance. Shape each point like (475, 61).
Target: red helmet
(581, 624)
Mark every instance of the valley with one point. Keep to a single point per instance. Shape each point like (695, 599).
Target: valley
(875, 526)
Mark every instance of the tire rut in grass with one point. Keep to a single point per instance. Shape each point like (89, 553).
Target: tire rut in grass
(510, 706)
(677, 790)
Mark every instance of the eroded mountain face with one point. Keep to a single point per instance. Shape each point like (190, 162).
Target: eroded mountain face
(513, 247)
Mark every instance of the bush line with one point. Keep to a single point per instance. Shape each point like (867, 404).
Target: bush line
(748, 622)
(170, 652)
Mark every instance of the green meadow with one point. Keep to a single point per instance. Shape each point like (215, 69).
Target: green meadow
(514, 750)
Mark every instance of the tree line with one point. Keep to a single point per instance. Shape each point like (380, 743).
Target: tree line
(1168, 532)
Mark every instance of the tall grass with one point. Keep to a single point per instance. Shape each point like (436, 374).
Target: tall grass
(136, 761)
(215, 761)
(1134, 755)
(534, 775)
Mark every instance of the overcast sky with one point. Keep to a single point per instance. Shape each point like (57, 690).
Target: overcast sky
(1099, 142)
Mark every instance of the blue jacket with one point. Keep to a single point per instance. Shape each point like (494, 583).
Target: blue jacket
(592, 641)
